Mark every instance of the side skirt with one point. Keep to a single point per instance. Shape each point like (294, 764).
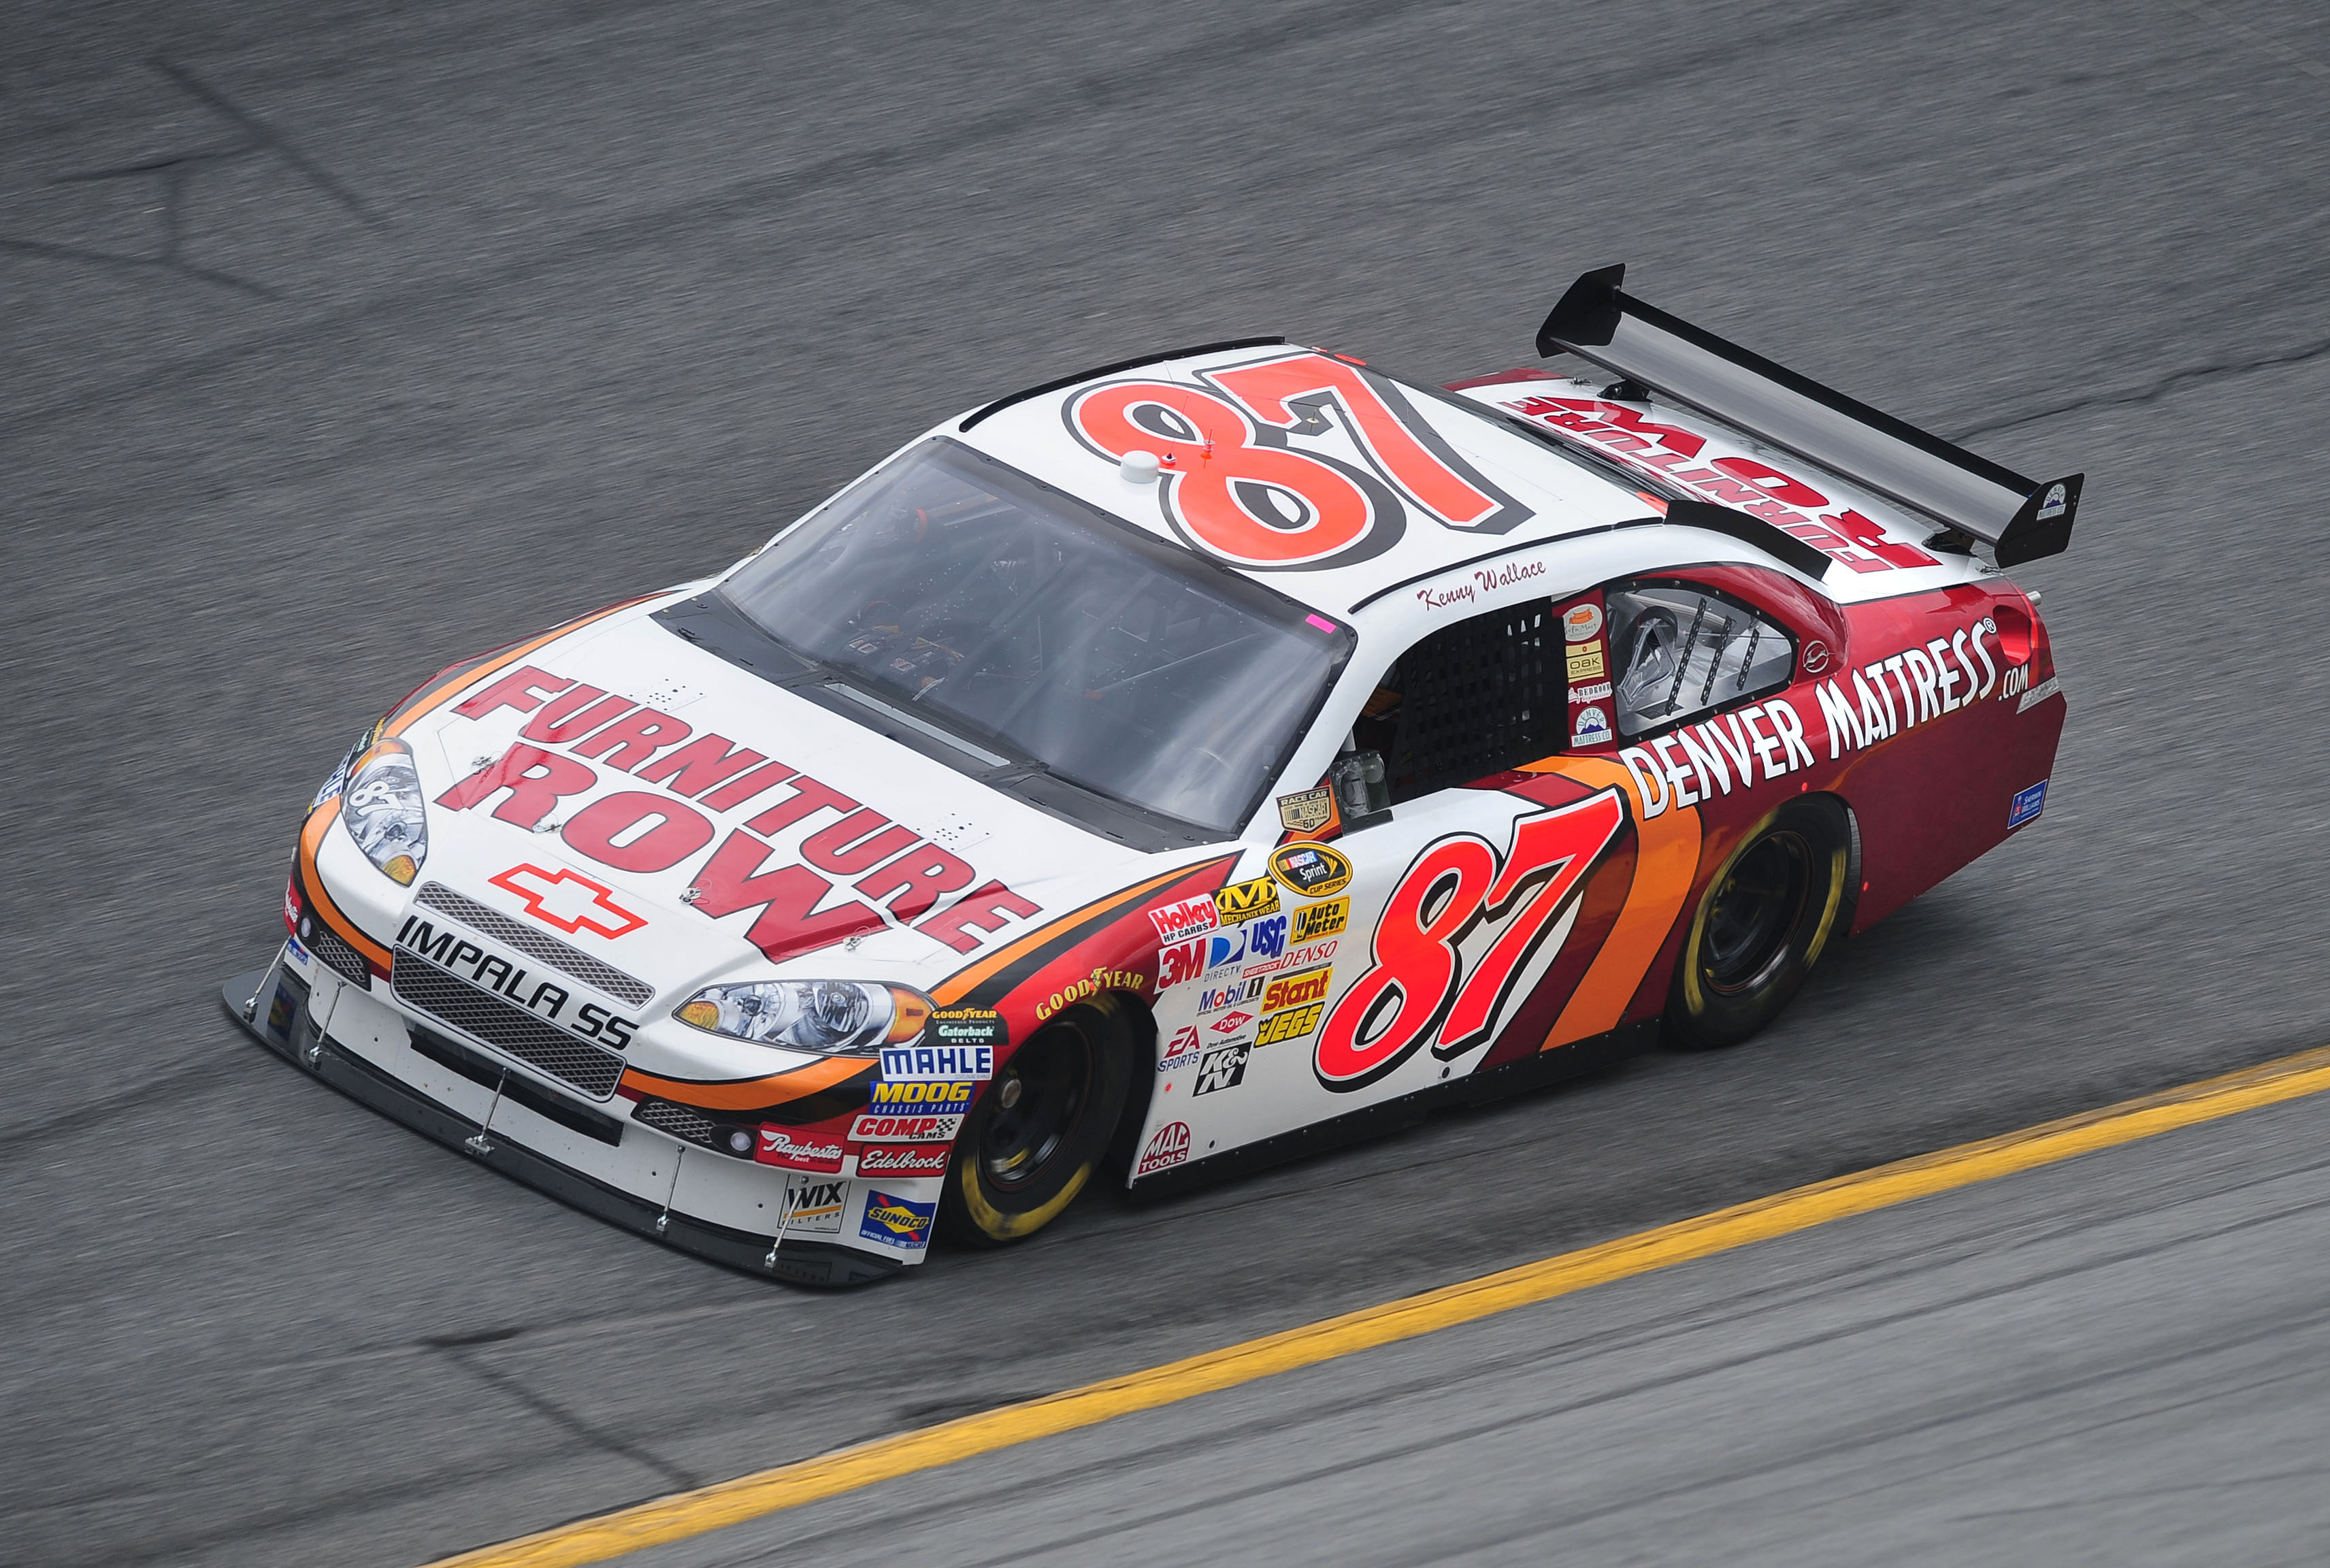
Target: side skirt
(1575, 1059)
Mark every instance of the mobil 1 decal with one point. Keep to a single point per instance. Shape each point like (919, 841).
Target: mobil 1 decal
(1419, 987)
(1292, 463)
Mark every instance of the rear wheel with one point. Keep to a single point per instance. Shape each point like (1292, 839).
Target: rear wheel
(1040, 1128)
(1767, 916)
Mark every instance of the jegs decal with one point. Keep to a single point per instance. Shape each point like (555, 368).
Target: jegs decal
(1247, 472)
(1416, 991)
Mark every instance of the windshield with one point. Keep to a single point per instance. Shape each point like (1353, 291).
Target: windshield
(1006, 610)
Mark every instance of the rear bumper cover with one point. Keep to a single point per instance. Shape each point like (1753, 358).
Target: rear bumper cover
(278, 1007)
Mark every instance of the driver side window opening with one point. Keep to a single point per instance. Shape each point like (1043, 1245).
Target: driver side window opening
(1679, 651)
(1477, 698)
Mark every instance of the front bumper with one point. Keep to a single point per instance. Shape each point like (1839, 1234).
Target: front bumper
(614, 1168)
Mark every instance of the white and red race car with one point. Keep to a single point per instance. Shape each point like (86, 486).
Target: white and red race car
(1175, 767)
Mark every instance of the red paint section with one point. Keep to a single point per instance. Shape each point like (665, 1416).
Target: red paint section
(536, 781)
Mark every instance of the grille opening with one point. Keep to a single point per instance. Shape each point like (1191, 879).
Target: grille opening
(535, 944)
(508, 1029)
(337, 954)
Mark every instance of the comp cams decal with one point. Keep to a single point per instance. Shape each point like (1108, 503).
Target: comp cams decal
(1295, 461)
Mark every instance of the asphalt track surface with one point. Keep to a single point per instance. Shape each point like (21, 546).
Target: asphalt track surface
(343, 341)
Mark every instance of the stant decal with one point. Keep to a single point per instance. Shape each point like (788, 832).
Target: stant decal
(1291, 1025)
(1295, 990)
(1167, 1147)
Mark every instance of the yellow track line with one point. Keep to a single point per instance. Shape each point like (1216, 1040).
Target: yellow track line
(714, 1507)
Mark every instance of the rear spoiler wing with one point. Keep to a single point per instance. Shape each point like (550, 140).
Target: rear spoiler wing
(2020, 518)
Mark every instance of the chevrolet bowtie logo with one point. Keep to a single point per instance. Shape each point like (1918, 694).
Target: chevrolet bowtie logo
(569, 900)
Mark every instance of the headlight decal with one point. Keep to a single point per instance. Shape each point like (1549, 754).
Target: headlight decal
(384, 811)
(828, 1016)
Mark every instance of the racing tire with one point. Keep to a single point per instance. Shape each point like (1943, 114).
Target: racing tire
(1769, 913)
(1041, 1127)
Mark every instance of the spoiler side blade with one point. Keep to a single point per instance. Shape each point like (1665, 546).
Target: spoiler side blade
(2021, 520)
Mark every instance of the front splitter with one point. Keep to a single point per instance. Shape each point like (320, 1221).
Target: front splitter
(272, 1006)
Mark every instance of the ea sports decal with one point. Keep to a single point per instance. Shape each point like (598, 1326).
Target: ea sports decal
(1314, 870)
(1293, 461)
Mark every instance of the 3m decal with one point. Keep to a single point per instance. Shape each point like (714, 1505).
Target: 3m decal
(569, 900)
(1315, 920)
(1180, 963)
(1416, 991)
(1314, 870)
(1291, 1025)
(1236, 483)
(876, 1128)
(2028, 803)
(929, 1063)
(921, 1100)
(903, 1160)
(1306, 810)
(796, 1151)
(1179, 922)
(1167, 1147)
(1223, 1068)
(814, 1208)
(896, 1221)
(1244, 900)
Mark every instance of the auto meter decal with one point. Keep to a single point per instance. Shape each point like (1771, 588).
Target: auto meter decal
(1294, 462)
(1313, 921)
(1314, 870)
(1418, 990)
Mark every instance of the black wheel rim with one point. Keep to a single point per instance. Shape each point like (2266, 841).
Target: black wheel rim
(1039, 1096)
(1753, 917)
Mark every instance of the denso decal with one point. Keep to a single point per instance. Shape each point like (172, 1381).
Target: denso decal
(804, 883)
(452, 951)
(896, 1221)
(1167, 1147)
(1298, 958)
(927, 1063)
(569, 900)
(796, 1151)
(903, 1160)
(815, 1207)
(1223, 1068)
(874, 1127)
(1092, 984)
(1419, 989)
(1295, 461)
(1179, 922)
(1745, 483)
(921, 1098)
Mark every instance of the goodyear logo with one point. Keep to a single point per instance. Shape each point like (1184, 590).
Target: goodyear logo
(1246, 900)
(1316, 920)
(1296, 990)
(1291, 1025)
(921, 1100)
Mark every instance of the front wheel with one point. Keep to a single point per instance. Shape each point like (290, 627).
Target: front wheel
(1040, 1128)
(1768, 914)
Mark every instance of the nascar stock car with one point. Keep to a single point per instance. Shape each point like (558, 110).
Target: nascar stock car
(1191, 763)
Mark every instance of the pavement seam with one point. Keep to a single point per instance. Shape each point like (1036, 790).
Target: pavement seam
(705, 1509)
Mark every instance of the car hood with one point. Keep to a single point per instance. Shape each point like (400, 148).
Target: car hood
(562, 797)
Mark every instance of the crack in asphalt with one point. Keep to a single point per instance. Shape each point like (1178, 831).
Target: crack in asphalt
(177, 172)
(462, 1351)
(2174, 381)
